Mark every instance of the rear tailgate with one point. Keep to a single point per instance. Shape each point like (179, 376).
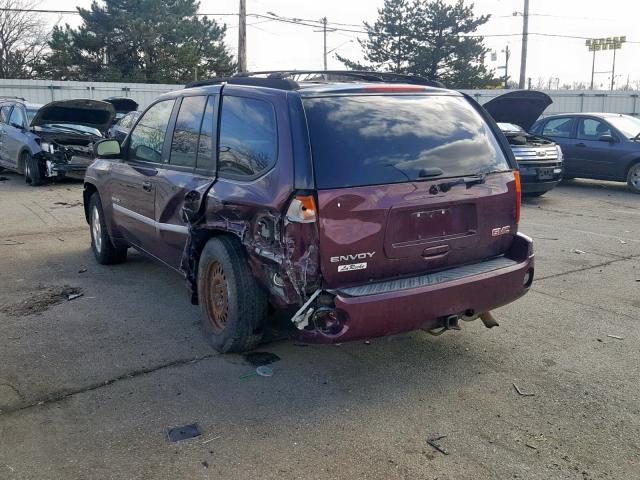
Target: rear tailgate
(381, 212)
(381, 232)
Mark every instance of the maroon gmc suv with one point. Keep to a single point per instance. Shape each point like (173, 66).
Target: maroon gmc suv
(367, 203)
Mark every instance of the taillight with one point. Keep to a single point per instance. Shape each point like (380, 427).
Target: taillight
(518, 195)
(302, 209)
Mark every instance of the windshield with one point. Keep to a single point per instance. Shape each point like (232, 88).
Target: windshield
(374, 140)
(31, 112)
(510, 128)
(627, 125)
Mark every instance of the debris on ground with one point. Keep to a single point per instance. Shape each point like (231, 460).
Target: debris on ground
(262, 371)
(82, 270)
(211, 439)
(10, 242)
(616, 337)
(367, 342)
(73, 296)
(579, 252)
(432, 441)
(623, 242)
(177, 434)
(258, 359)
(68, 205)
(521, 392)
(531, 446)
(40, 300)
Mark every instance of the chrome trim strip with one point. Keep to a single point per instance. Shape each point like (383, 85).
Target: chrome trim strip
(167, 227)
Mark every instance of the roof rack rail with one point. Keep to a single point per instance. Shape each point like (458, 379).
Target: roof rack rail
(346, 75)
(289, 79)
(279, 83)
(11, 97)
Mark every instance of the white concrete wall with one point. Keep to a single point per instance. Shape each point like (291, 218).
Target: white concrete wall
(44, 91)
(566, 101)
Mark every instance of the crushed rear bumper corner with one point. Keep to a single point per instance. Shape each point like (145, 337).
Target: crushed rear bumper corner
(388, 308)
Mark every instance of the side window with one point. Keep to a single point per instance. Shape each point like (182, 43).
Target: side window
(206, 145)
(248, 137)
(591, 129)
(147, 139)
(18, 118)
(558, 127)
(184, 144)
(4, 113)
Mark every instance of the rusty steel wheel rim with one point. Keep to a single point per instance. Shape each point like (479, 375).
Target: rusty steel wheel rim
(218, 297)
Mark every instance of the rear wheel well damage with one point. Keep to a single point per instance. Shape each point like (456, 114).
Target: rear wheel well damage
(284, 266)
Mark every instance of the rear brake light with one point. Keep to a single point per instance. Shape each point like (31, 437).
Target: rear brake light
(392, 89)
(518, 195)
(302, 209)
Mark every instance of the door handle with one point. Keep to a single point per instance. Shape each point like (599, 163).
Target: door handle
(147, 186)
(580, 145)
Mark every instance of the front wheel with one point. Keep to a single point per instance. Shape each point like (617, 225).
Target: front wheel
(234, 307)
(33, 173)
(633, 178)
(103, 249)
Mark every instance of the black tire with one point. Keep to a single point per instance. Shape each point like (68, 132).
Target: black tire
(234, 307)
(103, 249)
(633, 178)
(533, 194)
(33, 173)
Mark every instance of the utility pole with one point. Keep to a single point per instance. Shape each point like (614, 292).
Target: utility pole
(242, 37)
(507, 54)
(525, 40)
(613, 68)
(324, 32)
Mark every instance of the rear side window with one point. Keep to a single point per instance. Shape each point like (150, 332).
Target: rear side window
(184, 145)
(591, 129)
(558, 127)
(374, 140)
(17, 118)
(126, 121)
(147, 138)
(248, 138)
(206, 143)
(4, 113)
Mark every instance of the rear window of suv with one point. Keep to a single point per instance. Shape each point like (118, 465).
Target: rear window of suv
(375, 139)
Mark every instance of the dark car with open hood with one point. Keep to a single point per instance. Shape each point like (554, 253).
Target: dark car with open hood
(364, 203)
(540, 159)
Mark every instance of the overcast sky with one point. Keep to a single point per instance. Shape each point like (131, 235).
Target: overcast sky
(274, 45)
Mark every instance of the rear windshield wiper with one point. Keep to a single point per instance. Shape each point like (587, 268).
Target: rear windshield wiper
(468, 181)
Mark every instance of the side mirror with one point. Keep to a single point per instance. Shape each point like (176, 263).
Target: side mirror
(607, 138)
(107, 148)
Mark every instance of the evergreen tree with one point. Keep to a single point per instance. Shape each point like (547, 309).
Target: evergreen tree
(153, 41)
(427, 38)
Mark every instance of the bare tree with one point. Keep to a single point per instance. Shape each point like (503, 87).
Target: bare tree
(23, 38)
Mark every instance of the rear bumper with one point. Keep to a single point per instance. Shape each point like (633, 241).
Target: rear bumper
(392, 309)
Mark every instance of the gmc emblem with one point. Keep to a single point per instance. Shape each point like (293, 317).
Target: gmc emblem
(496, 232)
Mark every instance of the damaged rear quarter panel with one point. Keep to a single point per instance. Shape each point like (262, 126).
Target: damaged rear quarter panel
(283, 256)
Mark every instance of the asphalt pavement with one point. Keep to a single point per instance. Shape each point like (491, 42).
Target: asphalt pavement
(89, 386)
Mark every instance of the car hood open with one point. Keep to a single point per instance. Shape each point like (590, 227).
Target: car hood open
(81, 111)
(521, 107)
(122, 104)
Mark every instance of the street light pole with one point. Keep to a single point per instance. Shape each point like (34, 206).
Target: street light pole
(593, 67)
(525, 40)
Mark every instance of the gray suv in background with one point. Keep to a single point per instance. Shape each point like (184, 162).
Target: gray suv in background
(18, 144)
